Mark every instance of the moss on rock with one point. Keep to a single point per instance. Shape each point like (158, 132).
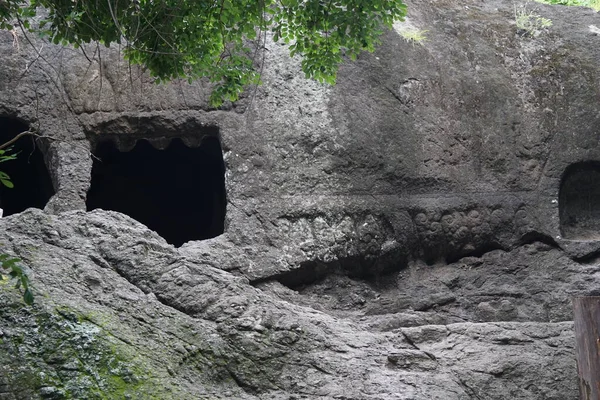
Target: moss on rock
(60, 353)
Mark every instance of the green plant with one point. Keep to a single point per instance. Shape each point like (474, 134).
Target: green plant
(529, 22)
(15, 271)
(595, 4)
(218, 39)
(414, 35)
(4, 178)
(6, 262)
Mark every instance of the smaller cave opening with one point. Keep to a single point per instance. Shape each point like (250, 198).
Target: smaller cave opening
(28, 172)
(579, 201)
(178, 192)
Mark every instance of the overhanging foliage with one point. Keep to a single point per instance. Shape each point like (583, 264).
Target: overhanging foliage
(217, 39)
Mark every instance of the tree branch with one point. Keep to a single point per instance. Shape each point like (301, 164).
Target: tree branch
(20, 135)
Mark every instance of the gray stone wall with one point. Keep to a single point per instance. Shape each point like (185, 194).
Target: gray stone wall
(400, 230)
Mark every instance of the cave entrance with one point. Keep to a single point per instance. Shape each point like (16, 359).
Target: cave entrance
(179, 192)
(579, 202)
(28, 172)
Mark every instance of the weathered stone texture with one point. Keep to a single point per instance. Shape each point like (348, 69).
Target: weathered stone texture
(396, 236)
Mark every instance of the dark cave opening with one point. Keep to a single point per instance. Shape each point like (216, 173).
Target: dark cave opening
(178, 192)
(579, 201)
(28, 173)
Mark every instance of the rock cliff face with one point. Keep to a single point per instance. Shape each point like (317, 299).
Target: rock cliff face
(415, 232)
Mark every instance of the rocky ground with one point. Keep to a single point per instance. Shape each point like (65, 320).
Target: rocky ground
(121, 314)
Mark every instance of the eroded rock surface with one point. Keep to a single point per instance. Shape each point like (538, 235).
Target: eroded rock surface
(396, 236)
(121, 313)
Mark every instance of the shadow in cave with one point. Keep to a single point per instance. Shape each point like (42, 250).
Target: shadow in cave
(28, 173)
(178, 192)
(579, 201)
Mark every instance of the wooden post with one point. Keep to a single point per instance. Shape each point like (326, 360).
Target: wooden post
(587, 341)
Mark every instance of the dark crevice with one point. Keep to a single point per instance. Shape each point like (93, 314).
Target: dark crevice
(434, 304)
(511, 341)
(534, 236)
(590, 258)
(477, 253)
(306, 273)
(430, 261)
(409, 340)
(370, 269)
(179, 192)
(28, 173)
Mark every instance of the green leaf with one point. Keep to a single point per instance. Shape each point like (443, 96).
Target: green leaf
(28, 297)
(11, 263)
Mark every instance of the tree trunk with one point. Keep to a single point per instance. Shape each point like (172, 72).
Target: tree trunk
(587, 337)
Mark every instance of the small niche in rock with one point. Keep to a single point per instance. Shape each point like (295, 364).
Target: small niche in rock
(579, 202)
(178, 192)
(28, 172)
